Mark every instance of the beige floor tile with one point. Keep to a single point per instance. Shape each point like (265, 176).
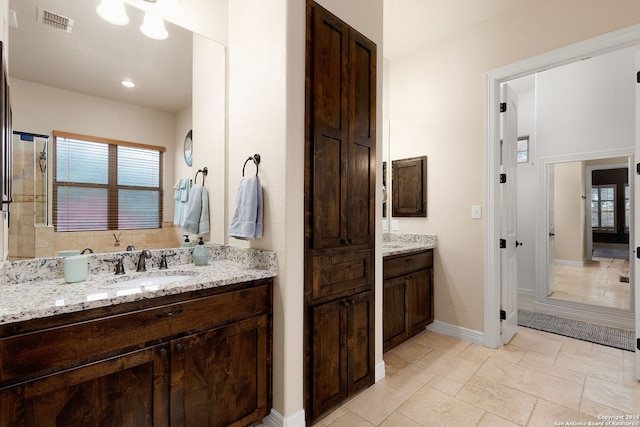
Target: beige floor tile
(543, 385)
(410, 351)
(448, 365)
(409, 380)
(593, 363)
(349, 419)
(490, 420)
(545, 363)
(376, 403)
(445, 385)
(594, 409)
(432, 408)
(442, 342)
(393, 364)
(479, 354)
(614, 395)
(399, 420)
(498, 399)
(530, 339)
(331, 417)
(550, 414)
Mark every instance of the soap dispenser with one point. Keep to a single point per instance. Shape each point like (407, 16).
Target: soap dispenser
(200, 253)
(187, 242)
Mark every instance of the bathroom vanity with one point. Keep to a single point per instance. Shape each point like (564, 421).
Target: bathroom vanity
(196, 352)
(408, 305)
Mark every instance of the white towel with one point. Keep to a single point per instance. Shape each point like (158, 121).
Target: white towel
(196, 220)
(246, 223)
(181, 195)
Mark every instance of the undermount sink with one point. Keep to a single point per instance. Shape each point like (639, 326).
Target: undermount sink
(149, 281)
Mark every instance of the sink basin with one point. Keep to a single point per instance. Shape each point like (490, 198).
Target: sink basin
(148, 281)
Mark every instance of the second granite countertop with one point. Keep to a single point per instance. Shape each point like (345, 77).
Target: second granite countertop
(403, 243)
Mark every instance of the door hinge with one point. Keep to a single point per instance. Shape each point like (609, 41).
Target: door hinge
(503, 107)
(638, 76)
(503, 178)
(638, 344)
(503, 243)
(638, 252)
(503, 315)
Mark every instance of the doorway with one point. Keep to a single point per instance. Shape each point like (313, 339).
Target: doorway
(566, 56)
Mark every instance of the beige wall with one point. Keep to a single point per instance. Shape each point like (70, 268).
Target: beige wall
(437, 107)
(570, 212)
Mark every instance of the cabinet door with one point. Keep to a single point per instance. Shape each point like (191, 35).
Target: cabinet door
(360, 344)
(420, 297)
(221, 377)
(409, 185)
(329, 334)
(361, 181)
(394, 325)
(129, 391)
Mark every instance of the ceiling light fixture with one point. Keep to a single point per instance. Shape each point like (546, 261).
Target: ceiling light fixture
(153, 27)
(128, 83)
(113, 11)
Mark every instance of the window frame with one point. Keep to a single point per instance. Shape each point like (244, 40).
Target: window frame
(599, 228)
(112, 186)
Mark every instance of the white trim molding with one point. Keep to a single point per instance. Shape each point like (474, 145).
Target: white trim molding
(274, 419)
(380, 371)
(465, 334)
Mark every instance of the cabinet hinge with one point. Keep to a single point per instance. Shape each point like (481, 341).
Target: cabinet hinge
(503, 107)
(503, 243)
(638, 344)
(503, 178)
(503, 315)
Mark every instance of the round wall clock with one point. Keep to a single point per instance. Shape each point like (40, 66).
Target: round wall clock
(188, 149)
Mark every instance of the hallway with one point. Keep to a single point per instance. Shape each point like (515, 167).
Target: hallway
(536, 380)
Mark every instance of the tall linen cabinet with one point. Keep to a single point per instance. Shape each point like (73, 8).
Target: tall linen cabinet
(339, 211)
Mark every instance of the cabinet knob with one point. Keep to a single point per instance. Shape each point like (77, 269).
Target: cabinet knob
(179, 347)
(163, 351)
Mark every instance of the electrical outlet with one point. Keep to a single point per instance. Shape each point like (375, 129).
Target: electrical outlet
(394, 225)
(385, 225)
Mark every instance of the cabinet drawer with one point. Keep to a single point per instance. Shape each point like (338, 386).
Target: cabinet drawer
(32, 354)
(407, 263)
(341, 271)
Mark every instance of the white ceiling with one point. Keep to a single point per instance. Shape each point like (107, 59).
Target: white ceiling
(96, 56)
(412, 24)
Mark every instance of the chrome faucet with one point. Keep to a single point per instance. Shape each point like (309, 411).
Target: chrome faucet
(141, 261)
(85, 250)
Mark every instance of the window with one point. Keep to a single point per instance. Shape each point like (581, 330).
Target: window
(522, 149)
(102, 184)
(603, 207)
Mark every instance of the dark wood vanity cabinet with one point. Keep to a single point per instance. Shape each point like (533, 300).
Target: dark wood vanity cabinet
(205, 361)
(340, 141)
(407, 296)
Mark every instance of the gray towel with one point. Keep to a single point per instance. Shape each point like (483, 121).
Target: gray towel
(181, 195)
(196, 220)
(246, 223)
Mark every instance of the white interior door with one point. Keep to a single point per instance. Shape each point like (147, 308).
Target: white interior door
(551, 225)
(508, 201)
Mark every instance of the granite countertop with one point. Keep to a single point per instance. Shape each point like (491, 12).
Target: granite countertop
(36, 288)
(404, 243)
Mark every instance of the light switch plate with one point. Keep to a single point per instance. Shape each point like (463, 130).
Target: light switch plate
(385, 225)
(476, 212)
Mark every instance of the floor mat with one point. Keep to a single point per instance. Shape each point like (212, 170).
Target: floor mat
(611, 253)
(599, 334)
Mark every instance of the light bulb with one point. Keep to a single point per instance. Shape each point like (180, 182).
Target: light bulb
(113, 11)
(153, 27)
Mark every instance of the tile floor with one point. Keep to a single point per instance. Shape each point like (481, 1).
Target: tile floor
(538, 379)
(598, 282)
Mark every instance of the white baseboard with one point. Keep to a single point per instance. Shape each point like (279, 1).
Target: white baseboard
(274, 419)
(527, 292)
(470, 335)
(380, 371)
(570, 262)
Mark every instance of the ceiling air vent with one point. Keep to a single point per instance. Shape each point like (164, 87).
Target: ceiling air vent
(55, 20)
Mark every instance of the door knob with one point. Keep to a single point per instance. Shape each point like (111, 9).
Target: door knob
(518, 243)
(552, 234)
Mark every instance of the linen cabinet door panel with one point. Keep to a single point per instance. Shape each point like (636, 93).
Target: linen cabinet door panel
(420, 293)
(339, 272)
(220, 377)
(126, 391)
(360, 351)
(329, 358)
(394, 323)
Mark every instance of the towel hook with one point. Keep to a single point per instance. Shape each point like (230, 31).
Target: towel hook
(256, 160)
(204, 171)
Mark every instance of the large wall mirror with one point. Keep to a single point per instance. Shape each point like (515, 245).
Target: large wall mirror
(68, 77)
